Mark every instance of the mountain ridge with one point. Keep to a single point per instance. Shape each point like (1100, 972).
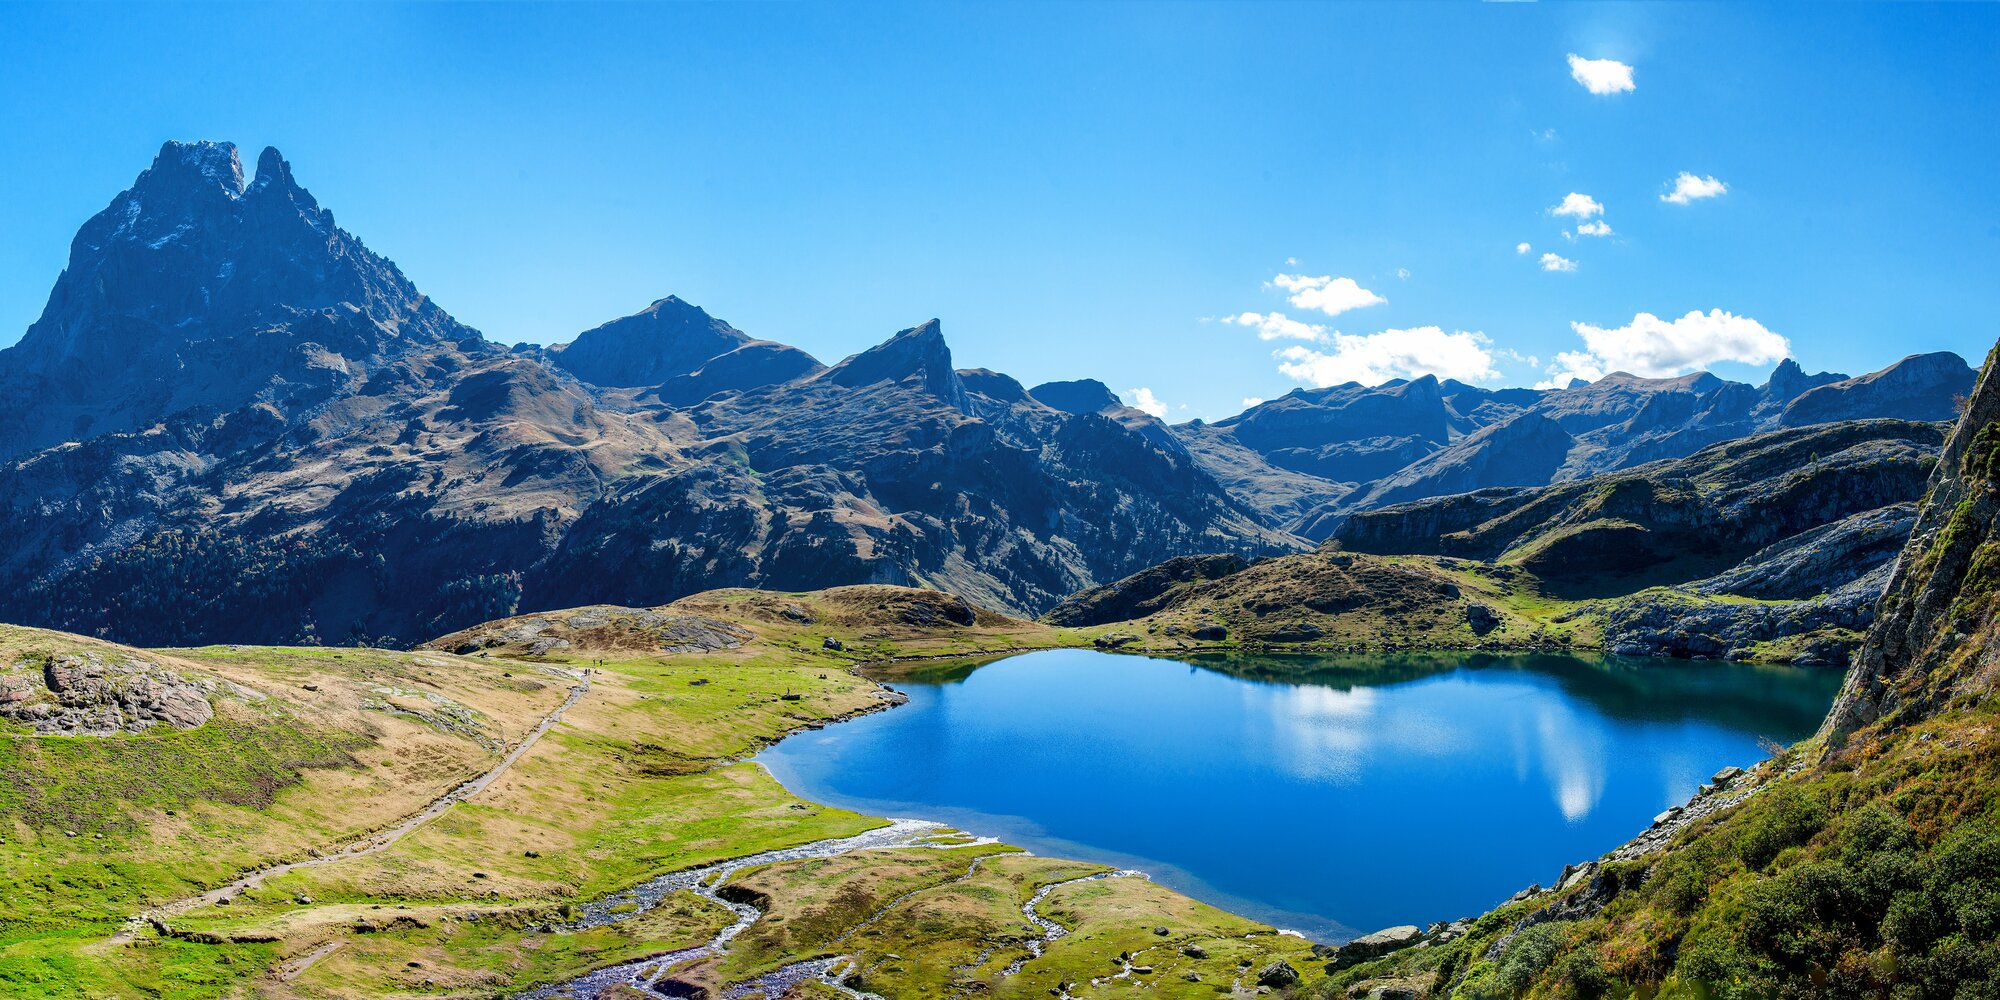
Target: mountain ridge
(234, 416)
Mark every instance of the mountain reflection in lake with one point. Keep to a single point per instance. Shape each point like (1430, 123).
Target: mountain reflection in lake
(1329, 794)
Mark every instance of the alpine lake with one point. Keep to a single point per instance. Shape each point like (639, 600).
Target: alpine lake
(1330, 795)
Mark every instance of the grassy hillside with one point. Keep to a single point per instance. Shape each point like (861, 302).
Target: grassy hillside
(1331, 600)
(315, 758)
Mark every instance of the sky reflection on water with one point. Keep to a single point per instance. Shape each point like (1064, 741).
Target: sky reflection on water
(1328, 794)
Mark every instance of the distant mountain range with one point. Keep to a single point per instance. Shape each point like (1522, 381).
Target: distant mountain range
(235, 422)
(1312, 458)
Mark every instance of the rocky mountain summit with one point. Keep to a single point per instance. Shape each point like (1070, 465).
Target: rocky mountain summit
(233, 421)
(198, 291)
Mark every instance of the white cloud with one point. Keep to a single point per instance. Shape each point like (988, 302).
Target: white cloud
(1378, 357)
(1291, 262)
(1569, 365)
(1557, 262)
(1277, 326)
(1250, 401)
(1142, 398)
(1581, 206)
(1600, 76)
(1522, 248)
(1402, 274)
(1326, 293)
(1656, 348)
(1598, 228)
(1688, 187)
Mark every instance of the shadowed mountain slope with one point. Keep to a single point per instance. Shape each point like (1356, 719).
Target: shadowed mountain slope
(234, 422)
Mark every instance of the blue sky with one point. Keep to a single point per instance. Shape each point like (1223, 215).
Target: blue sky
(1082, 190)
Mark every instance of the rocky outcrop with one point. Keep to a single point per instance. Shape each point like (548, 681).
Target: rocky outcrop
(1143, 592)
(85, 694)
(1919, 387)
(1937, 640)
(1662, 623)
(1822, 560)
(650, 630)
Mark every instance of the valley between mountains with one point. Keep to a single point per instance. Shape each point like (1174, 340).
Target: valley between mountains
(353, 655)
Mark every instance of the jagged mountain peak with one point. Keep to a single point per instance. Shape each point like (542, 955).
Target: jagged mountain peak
(195, 289)
(919, 351)
(194, 165)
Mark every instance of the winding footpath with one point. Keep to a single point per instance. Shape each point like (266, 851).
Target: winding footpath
(375, 843)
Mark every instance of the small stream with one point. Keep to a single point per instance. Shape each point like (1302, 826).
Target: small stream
(1050, 929)
(705, 881)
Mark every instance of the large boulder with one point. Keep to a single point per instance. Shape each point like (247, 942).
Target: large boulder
(85, 694)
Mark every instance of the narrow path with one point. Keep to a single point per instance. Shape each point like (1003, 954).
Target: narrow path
(375, 843)
(297, 967)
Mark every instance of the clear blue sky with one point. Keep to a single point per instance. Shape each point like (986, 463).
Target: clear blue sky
(1082, 190)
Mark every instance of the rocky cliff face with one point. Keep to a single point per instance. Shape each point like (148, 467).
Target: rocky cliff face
(1935, 642)
(195, 289)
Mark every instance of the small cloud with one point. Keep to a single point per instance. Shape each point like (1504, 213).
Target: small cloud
(1544, 135)
(1326, 293)
(1656, 348)
(1557, 262)
(1142, 399)
(1402, 274)
(1688, 187)
(1291, 262)
(1522, 248)
(1598, 228)
(1250, 401)
(1277, 326)
(1572, 365)
(1375, 358)
(1601, 76)
(1581, 206)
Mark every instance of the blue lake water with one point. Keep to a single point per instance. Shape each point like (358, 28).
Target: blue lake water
(1329, 795)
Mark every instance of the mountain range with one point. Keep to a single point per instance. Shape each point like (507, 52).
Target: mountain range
(234, 421)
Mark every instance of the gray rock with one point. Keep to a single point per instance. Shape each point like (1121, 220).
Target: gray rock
(1278, 974)
(87, 695)
(1482, 618)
